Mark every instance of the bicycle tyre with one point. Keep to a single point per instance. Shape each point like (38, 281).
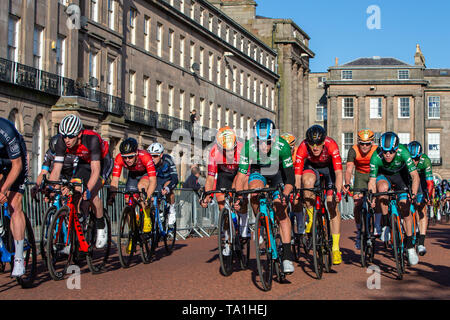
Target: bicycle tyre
(371, 229)
(364, 237)
(398, 252)
(317, 244)
(264, 260)
(170, 233)
(97, 257)
(296, 245)
(327, 243)
(226, 262)
(57, 242)
(46, 221)
(127, 227)
(146, 238)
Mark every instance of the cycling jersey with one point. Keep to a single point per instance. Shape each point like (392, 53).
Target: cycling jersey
(362, 163)
(329, 155)
(165, 171)
(91, 148)
(144, 164)
(69, 165)
(401, 160)
(219, 163)
(425, 171)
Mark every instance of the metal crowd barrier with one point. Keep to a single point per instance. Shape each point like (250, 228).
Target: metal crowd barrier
(192, 219)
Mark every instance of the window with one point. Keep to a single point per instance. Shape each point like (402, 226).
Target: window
(158, 96)
(132, 87)
(347, 143)
(267, 61)
(182, 104)
(249, 48)
(403, 107)
(38, 145)
(192, 102)
(319, 112)
(13, 38)
(202, 16)
(210, 22)
(249, 83)
(272, 65)
(38, 42)
(403, 137)
(261, 55)
(92, 65)
(261, 90)
(234, 119)
(191, 54)
(94, 10)
(133, 26)
(60, 55)
(227, 78)
(111, 14)
(403, 74)
(434, 145)
(347, 108)
(147, 33)
(241, 83)
(242, 44)
(241, 126)
(219, 28)
(182, 51)
(182, 6)
(235, 39)
(159, 36)
(219, 70)
(347, 75)
(272, 99)
(249, 127)
(192, 10)
(202, 57)
(234, 78)
(211, 108)
(434, 107)
(254, 89)
(202, 112)
(227, 34)
(227, 117)
(170, 102)
(145, 91)
(110, 77)
(170, 45)
(267, 96)
(375, 108)
(219, 116)
(254, 52)
(210, 66)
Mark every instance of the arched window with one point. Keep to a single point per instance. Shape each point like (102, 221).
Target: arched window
(14, 117)
(38, 147)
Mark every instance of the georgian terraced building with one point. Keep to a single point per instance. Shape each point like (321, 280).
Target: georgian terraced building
(130, 69)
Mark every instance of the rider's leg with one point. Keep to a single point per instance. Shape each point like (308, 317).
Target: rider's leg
(308, 181)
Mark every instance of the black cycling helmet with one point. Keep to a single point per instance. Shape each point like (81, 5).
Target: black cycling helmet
(389, 141)
(52, 143)
(316, 134)
(415, 149)
(264, 129)
(128, 145)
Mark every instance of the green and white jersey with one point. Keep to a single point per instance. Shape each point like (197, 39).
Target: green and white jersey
(424, 167)
(402, 158)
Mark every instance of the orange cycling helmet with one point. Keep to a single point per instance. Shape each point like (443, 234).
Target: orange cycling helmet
(226, 138)
(289, 138)
(365, 135)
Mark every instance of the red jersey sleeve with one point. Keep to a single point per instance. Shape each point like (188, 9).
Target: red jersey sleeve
(333, 150)
(212, 165)
(118, 165)
(300, 156)
(147, 161)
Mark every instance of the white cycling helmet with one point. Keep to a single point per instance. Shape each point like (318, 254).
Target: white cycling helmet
(70, 125)
(156, 148)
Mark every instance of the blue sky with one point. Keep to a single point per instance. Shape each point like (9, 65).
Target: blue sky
(339, 29)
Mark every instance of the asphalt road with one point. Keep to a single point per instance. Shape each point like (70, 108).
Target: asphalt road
(191, 272)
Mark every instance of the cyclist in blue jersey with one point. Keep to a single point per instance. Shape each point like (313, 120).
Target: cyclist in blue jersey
(167, 176)
(13, 176)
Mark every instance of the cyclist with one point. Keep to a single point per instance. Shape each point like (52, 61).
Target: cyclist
(141, 174)
(223, 163)
(94, 166)
(269, 161)
(445, 186)
(424, 168)
(358, 158)
(13, 176)
(390, 167)
(319, 155)
(167, 176)
(69, 165)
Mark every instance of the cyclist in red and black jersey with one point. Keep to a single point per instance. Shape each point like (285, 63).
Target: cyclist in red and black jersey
(94, 166)
(141, 174)
(319, 155)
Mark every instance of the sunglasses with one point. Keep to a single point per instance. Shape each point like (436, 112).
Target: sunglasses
(156, 155)
(365, 144)
(129, 156)
(70, 136)
(316, 145)
(390, 152)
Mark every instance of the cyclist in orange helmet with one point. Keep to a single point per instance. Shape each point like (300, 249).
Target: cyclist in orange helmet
(359, 159)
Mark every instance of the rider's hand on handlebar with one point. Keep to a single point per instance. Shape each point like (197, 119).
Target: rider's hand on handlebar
(204, 203)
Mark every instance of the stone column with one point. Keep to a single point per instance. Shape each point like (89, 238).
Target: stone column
(305, 122)
(362, 113)
(389, 123)
(299, 119)
(286, 108)
(332, 116)
(293, 119)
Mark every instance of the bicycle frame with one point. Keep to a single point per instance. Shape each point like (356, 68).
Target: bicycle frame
(269, 219)
(157, 199)
(4, 253)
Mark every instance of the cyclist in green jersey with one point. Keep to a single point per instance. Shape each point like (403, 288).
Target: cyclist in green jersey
(269, 159)
(390, 168)
(424, 168)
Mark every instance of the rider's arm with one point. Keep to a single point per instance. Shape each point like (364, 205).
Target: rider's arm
(60, 152)
(95, 174)
(173, 174)
(244, 164)
(300, 156)
(151, 186)
(415, 181)
(350, 166)
(40, 177)
(16, 168)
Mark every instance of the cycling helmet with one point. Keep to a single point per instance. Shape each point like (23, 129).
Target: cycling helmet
(389, 141)
(226, 138)
(52, 143)
(365, 135)
(415, 149)
(70, 125)
(444, 182)
(156, 148)
(264, 129)
(315, 135)
(289, 138)
(128, 145)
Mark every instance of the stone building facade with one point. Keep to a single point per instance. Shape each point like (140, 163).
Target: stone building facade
(292, 45)
(131, 69)
(385, 94)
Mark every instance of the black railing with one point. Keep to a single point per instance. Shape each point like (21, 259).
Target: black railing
(140, 115)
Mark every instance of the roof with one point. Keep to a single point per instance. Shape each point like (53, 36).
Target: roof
(436, 72)
(376, 61)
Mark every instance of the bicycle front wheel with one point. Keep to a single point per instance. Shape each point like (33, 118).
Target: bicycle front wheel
(317, 244)
(126, 239)
(364, 238)
(397, 245)
(29, 256)
(264, 259)
(225, 245)
(44, 231)
(97, 257)
(170, 233)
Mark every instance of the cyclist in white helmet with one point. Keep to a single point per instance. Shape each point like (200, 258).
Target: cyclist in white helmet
(167, 176)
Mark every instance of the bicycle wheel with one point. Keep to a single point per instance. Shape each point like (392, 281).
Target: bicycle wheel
(126, 239)
(371, 239)
(225, 244)
(364, 237)
(296, 245)
(327, 242)
(264, 260)
(97, 257)
(60, 244)
(49, 213)
(317, 243)
(397, 245)
(146, 238)
(170, 233)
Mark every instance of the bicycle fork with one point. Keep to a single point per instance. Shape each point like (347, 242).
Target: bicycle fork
(267, 216)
